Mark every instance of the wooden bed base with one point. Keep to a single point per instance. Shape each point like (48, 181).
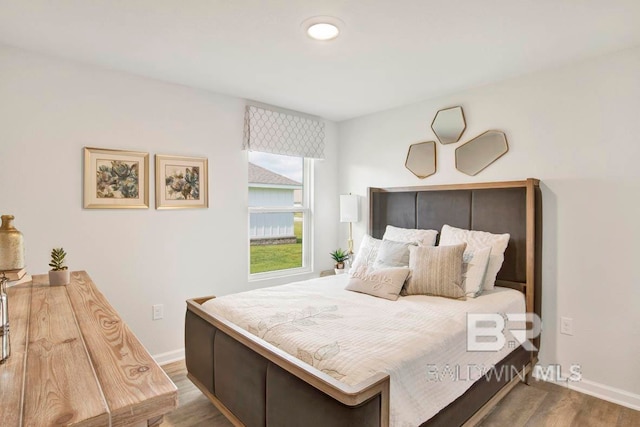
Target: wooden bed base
(254, 383)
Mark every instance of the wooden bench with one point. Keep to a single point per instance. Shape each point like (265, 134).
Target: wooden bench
(75, 362)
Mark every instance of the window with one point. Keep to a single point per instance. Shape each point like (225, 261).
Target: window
(279, 215)
(280, 189)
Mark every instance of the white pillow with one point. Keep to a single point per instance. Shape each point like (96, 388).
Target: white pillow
(413, 235)
(474, 268)
(367, 253)
(477, 240)
(393, 254)
(382, 283)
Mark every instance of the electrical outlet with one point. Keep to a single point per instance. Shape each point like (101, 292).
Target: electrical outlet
(158, 311)
(566, 325)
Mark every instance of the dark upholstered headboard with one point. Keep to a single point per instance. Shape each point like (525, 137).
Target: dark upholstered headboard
(498, 207)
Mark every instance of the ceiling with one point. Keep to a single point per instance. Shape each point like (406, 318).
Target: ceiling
(390, 53)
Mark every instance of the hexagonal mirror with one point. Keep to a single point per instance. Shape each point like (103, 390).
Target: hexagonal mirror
(421, 159)
(449, 125)
(475, 155)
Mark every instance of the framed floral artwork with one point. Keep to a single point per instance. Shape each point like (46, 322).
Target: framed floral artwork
(115, 179)
(181, 182)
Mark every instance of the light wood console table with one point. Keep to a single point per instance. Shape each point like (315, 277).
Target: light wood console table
(75, 362)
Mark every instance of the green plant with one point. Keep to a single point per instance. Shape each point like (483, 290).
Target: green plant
(339, 256)
(57, 259)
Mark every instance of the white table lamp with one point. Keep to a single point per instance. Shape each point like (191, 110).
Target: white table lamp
(349, 212)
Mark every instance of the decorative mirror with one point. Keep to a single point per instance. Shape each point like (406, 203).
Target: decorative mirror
(421, 159)
(449, 125)
(475, 155)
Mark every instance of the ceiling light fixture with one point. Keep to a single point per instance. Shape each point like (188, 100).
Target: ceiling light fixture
(322, 28)
(323, 31)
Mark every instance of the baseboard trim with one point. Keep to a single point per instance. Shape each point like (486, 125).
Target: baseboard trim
(611, 394)
(601, 391)
(169, 356)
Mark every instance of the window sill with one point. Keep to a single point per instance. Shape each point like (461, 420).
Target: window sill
(280, 274)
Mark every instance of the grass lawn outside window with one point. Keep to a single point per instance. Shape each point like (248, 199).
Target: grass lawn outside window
(278, 257)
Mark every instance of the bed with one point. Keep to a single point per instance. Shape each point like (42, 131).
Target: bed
(256, 383)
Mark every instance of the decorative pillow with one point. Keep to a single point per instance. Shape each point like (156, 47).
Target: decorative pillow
(383, 283)
(436, 270)
(474, 267)
(478, 240)
(367, 252)
(393, 254)
(413, 235)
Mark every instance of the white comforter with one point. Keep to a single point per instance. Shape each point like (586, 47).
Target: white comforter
(352, 336)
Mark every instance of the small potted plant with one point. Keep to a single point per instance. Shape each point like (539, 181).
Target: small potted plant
(59, 274)
(339, 256)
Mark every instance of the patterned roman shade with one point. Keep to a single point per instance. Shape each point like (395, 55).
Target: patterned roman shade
(279, 133)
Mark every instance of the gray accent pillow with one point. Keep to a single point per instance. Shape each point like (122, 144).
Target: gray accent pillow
(382, 283)
(437, 271)
(393, 254)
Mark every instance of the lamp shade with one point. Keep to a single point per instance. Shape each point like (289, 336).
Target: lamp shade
(349, 208)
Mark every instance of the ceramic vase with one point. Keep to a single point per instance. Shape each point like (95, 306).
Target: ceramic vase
(11, 245)
(60, 277)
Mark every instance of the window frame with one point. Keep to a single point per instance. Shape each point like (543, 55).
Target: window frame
(307, 227)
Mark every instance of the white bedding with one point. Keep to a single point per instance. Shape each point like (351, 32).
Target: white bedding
(352, 336)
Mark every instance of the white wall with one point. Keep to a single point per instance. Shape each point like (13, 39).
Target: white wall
(577, 129)
(50, 109)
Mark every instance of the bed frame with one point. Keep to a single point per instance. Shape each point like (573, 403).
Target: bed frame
(254, 383)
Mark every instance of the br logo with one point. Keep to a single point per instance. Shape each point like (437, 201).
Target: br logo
(489, 331)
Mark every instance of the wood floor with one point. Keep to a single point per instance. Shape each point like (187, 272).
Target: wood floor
(541, 404)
